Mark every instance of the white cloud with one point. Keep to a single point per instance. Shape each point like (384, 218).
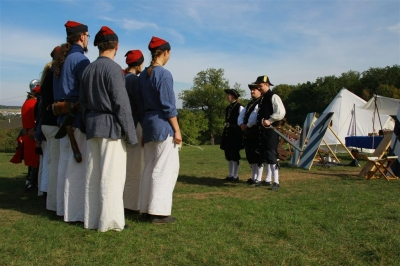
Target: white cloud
(131, 24)
(179, 38)
(395, 28)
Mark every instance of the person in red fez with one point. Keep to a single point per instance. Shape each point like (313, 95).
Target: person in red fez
(161, 134)
(70, 62)
(109, 129)
(135, 154)
(50, 145)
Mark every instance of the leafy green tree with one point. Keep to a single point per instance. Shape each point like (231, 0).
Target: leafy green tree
(284, 91)
(207, 95)
(192, 124)
(8, 139)
(388, 91)
(350, 80)
(374, 77)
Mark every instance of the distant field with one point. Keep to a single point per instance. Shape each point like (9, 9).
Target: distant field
(10, 110)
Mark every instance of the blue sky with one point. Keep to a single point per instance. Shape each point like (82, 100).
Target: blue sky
(290, 41)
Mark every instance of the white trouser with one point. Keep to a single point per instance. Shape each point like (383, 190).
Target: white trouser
(71, 179)
(134, 170)
(159, 176)
(53, 151)
(105, 179)
(44, 167)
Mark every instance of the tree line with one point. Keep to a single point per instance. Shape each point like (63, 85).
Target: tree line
(203, 109)
(202, 115)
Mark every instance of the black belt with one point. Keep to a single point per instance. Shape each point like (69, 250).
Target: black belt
(67, 101)
(251, 129)
(230, 125)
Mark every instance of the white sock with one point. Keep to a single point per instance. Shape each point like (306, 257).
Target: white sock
(274, 170)
(259, 172)
(235, 169)
(268, 176)
(254, 170)
(231, 170)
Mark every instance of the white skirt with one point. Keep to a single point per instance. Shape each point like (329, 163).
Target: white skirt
(159, 176)
(105, 180)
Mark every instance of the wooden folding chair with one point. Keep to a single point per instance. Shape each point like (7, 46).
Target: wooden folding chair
(383, 167)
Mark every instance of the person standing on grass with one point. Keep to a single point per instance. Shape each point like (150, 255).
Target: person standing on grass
(49, 129)
(109, 127)
(68, 69)
(28, 147)
(248, 123)
(232, 136)
(161, 135)
(135, 154)
(271, 111)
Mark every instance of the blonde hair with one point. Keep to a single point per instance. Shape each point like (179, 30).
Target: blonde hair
(46, 69)
(154, 56)
(134, 69)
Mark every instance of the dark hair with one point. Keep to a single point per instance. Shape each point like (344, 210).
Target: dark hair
(108, 45)
(137, 69)
(62, 53)
(154, 56)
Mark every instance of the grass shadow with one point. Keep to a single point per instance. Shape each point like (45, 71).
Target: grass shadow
(349, 177)
(206, 181)
(13, 196)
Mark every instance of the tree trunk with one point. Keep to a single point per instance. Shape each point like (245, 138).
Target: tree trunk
(212, 139)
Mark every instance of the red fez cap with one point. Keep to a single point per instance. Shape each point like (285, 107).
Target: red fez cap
(55, 50)
(158, 44)
(73, 27)
(105, 34)
(134, 58)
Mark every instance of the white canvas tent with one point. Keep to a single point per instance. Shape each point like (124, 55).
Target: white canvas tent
(385, 105)
(350, 120)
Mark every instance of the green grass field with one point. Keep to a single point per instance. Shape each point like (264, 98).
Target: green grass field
(322, 216)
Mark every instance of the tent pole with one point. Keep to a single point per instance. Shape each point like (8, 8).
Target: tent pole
(377, 111)
(349, 152)
(355, 120)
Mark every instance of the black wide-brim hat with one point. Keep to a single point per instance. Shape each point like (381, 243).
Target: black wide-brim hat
(253, 86)
(233, 92)
(263, 79)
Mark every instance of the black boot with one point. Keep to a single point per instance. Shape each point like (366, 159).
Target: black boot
(45, 199)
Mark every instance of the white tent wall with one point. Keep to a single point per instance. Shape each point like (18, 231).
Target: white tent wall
(385, 105)
(350, 120)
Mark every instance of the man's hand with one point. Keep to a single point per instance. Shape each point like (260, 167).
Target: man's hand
(266, 123)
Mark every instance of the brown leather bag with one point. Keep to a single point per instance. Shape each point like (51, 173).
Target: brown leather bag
(61, 108)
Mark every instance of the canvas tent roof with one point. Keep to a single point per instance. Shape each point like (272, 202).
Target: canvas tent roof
(350, 120)
(385, 105)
